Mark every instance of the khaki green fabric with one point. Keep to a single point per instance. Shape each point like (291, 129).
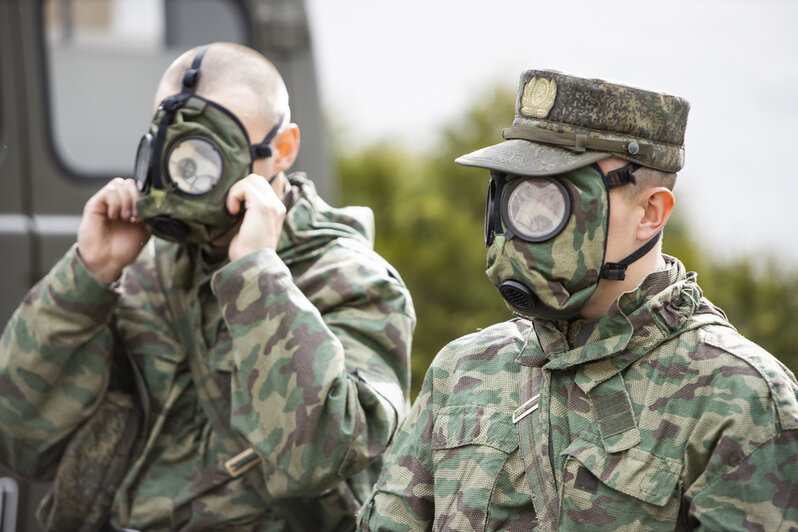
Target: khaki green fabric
(205, 217)
(562, 272)
(659, 416)
(563, 122)
(311, 343)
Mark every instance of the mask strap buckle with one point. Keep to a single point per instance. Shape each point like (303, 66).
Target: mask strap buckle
(620, 176)
(263, 150)
(192, 75)
(616, 271)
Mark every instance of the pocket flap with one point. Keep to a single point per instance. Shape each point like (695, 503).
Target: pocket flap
(634, 472)
(460, 425)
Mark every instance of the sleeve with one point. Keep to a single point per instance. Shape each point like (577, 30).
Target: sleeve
(402, 499)
(750, 491)
(55, 357)
(321, 370)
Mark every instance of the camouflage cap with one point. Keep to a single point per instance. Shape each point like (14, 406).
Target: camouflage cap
(564, 122)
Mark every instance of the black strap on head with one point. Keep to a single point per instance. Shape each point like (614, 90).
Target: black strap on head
(170, 105)
(620, 176)
(263, 150)
(616, 271)
(192, 75)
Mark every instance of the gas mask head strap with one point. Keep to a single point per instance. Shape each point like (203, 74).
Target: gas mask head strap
(616, 271)
(171, 104)
(192, 75)
(263, 150)
(620, 176)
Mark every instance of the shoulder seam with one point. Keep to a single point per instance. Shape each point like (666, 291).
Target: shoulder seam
(778, 378)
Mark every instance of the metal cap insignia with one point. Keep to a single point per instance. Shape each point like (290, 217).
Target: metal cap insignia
(538, 97)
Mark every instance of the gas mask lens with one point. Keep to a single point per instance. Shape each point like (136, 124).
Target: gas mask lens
(143, 158)
(489, 213)
(536, 208)
(194, 165)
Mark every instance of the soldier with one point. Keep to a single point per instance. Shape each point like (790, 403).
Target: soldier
(618, 398)
(272, 342)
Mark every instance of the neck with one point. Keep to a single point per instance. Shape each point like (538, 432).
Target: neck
(607, 292)
(279, 183)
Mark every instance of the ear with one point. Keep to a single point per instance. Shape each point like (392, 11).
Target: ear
(286, 148)
(657, 204)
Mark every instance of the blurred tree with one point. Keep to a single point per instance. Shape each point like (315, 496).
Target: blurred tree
(429, 215)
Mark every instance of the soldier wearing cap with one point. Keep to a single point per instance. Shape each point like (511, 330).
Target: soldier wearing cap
(618, 398)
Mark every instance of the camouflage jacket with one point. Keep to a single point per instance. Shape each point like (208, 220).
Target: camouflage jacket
(311, 342)
(664, 419)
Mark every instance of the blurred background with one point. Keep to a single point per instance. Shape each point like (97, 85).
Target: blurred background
(408, 86)
(387, 94)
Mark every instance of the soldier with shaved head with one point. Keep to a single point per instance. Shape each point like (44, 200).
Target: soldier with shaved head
(221, 349)
(618, 398)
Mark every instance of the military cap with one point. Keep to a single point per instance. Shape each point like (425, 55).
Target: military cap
(563, 122)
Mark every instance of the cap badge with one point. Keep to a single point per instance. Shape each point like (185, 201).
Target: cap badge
(538, 97)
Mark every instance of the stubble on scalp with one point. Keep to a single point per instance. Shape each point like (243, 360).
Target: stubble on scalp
(230, 67)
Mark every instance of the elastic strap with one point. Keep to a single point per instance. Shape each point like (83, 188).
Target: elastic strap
(263, 150)
(616, 271)
(620, 176)
(192, 75)
(157, 182)
(170, 105)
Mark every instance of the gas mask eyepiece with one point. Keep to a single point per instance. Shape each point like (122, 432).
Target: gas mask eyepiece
(194, 165)
(535, 209)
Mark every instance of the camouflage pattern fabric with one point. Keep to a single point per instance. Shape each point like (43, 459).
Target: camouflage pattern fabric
(204, 119)
(563, 122)
(562, 272)
(312, 343)
(659, 416)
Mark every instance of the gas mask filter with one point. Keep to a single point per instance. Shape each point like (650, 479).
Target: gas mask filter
(547, 237)
(194, 152)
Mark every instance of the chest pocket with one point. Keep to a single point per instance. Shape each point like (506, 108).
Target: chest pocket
(631, 489)
(470, 446)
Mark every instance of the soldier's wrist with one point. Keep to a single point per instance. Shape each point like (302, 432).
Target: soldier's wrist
(104, 273)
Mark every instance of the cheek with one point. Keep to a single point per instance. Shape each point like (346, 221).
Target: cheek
(620, 234)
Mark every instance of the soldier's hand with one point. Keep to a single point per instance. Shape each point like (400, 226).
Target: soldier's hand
(263, 217)
(111, 235)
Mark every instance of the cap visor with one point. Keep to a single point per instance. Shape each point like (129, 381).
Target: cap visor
(523, 157)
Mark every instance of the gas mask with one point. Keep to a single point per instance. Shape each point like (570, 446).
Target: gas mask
(547, 237)
(194, 152)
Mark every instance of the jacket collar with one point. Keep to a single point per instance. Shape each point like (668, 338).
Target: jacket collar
(667, 303)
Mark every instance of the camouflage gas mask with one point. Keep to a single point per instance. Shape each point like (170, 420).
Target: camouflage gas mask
(547, 237)
(194, 152)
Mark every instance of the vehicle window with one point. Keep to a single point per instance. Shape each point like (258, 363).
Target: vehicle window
(104, 59)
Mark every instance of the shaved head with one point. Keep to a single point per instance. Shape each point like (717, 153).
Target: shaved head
(233, 73)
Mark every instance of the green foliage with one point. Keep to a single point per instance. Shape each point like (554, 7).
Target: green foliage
(429, 215)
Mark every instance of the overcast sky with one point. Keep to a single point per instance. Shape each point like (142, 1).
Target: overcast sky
(400, 69)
